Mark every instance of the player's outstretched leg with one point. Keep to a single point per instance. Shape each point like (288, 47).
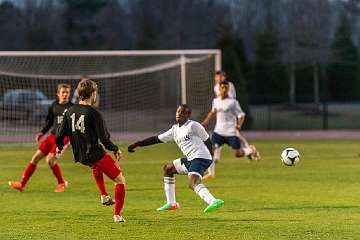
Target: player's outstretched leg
(105, 199)
(204, 193)
(55, 168)
(169, 187)
(28, 172)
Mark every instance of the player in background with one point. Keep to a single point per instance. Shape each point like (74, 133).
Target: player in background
(219, 77)
(229, 119)
(85, 127)
(195, 144)
(47, 147)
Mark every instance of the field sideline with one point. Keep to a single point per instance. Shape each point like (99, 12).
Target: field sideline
(318, 199)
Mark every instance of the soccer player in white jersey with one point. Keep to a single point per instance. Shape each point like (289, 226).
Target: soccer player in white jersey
(195, 144)
(220, 76)
(229, 119)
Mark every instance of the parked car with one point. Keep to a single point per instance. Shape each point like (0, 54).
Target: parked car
(24, 104)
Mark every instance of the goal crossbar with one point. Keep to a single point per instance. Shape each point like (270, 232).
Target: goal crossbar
(112, 53)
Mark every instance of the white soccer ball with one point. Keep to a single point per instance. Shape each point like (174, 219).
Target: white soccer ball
(290, 156)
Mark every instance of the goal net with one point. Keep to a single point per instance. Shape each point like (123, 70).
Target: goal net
(138, 90)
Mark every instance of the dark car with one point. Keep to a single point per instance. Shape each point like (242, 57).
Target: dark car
(24, 104)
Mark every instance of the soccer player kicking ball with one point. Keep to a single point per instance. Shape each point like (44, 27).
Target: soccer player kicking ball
(195, 144)
(86, 127)
(229, 119)
(47, 147)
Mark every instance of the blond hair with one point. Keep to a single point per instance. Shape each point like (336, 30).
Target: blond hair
(62, 85)
(85, 88)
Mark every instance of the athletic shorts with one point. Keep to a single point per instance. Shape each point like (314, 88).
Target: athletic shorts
(232, 141)
(196, 166)
(48, 145)
(108, 166)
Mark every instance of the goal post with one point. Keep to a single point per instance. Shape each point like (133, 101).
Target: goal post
(139, 90)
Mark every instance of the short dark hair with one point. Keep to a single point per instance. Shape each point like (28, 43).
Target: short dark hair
(220, 72)
(224, 83)
(186, 107)
(85, 88)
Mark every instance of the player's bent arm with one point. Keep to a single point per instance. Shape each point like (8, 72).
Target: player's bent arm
(60, 134)
(239, 122)
(146, 142)
(208, 118)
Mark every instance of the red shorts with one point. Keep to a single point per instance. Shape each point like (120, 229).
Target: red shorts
(108, 166)
(48, 145)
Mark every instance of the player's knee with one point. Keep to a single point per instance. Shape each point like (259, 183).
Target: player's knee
(193, 181)
(191, 184)
(119, 179)
(50, 160)
(168, 169)
(36, 159)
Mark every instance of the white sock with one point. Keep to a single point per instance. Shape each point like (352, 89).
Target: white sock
(169, 186)
(247, 151)
(217, 153)
(211, 169)
(204, 193)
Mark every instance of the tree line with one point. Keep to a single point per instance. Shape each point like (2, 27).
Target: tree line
(274, 51)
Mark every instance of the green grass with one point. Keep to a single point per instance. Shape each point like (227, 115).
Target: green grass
(317, 199)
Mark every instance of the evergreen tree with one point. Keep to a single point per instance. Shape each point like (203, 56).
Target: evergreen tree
(12, 27)
(269, 73)
(235, 64)
(82, 29)
(343, 68)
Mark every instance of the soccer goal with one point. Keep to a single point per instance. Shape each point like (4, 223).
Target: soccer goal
(138, 90)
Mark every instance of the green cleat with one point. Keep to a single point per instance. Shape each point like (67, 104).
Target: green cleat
(214, 205)
(169, 206)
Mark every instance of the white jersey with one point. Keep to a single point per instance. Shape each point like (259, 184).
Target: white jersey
(190, 139)
(227, 112)
(231, 93)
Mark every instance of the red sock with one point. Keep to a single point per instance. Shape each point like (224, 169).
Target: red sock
(99, 178)
(29, 170)
(119, 198)
(57, 172)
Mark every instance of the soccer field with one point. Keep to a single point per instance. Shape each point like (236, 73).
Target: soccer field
(317, 199)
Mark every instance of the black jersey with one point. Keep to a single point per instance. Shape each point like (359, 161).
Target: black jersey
(55, 116)
(86, 127)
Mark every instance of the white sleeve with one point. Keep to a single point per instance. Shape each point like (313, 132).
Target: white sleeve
(166, 136)
(217, 90)
(237, 110)
(232, 91)
(199, 131)
(213, 107)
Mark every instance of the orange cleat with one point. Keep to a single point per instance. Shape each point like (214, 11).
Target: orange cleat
(169, 206)
(208, 177)
(61, 187)
(16, 185)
